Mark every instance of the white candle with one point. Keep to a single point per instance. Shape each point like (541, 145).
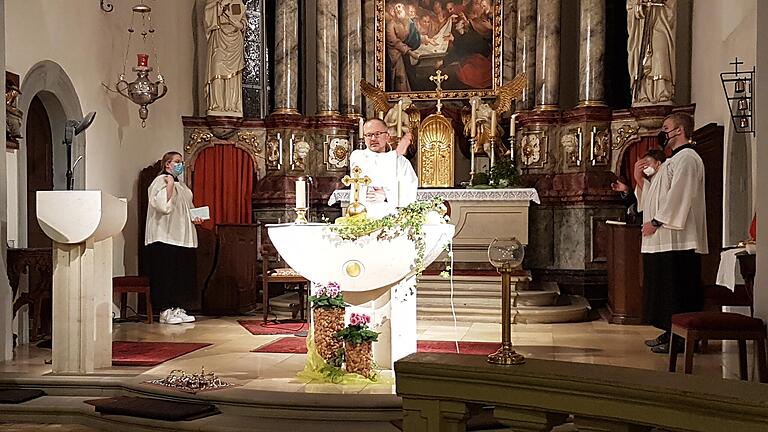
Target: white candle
(493, 123)
(471, 158)
(400, 118)
(301, 193)
(512, 136)
(472, 129)
(360, 127)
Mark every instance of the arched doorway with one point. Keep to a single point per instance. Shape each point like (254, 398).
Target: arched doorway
(39, 167)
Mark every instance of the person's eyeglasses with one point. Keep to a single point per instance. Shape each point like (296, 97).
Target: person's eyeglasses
(373, 135)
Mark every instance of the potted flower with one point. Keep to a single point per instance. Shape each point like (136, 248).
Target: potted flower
(328, 311)
(357, 345)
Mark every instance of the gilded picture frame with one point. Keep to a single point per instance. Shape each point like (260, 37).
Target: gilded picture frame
(472, 38)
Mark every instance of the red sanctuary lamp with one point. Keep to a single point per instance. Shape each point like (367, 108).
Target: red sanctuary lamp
(142, 91)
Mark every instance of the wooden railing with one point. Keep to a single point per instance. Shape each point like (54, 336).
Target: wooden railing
(441, 391)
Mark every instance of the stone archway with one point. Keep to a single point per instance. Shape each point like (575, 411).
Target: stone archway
(51, 84)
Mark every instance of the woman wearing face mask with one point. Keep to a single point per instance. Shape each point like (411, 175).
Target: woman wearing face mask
(170, 239)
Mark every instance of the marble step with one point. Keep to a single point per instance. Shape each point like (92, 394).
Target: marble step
(568, 309)
(481, 293)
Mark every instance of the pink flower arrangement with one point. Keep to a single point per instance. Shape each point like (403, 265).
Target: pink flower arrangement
(356, 319)
(327, 296)
(332, 289)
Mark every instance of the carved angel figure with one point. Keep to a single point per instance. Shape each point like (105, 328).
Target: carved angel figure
(505, 96)
(382, 107)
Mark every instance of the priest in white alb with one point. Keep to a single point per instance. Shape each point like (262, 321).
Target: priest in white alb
(393, 185)
(393, 180)
(674, 230)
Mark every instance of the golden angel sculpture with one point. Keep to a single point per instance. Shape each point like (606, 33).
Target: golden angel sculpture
(505, 96)
(400, 117)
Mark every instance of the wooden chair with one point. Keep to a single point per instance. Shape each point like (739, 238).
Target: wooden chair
(280, 274)
(696, 326)
(132, 284)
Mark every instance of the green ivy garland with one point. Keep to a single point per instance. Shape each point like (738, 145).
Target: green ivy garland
(409, 221)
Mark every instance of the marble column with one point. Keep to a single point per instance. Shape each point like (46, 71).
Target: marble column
(327, 57)
(369, 47)
(591, 52)
(525, 50)
(351, 57)
(510, 30)
(286, 57)
(548, 55)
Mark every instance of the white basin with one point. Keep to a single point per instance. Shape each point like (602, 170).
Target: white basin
(320, 255)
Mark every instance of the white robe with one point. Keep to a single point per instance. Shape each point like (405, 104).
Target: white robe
(675, 197)
(390, 171)
(394, 313)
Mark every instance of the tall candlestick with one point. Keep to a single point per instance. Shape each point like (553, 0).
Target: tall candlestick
(473, 130)
(301, 193)
(493, 123)
(360, 127)
(472, 157)
(400, 118)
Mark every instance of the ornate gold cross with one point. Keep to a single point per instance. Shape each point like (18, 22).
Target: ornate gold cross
(356, 181)
(438, 78)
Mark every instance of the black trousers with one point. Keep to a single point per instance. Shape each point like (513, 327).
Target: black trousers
(172, 275)
(672, 284)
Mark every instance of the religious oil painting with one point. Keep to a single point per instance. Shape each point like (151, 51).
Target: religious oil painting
(415, 38)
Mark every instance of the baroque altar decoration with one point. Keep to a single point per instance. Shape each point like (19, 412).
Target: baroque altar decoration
(413, 41)
(358, 339)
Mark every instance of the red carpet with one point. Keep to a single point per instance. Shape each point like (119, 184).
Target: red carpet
(150, 353)
(298, 345)
(257, 327)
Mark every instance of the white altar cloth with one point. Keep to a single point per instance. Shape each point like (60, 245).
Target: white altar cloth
(522, 194)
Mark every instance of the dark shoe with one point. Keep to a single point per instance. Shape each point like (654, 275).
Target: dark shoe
(664, 348)
(661, 339)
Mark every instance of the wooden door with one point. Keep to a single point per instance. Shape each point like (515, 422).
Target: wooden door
(39, 168)
(709, 146)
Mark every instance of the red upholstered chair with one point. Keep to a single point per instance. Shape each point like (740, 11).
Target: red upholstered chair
(132, 284)
(696, 326)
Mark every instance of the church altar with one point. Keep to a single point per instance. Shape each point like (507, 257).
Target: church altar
(376, 276)
(479, 215)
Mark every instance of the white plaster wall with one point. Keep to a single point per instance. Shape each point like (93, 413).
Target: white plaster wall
(89, 45)
(722, 30)
(13, 197)
(761, 107)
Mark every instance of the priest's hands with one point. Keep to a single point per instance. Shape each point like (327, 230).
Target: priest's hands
(648, 229)
(405, 142)
(376, 195)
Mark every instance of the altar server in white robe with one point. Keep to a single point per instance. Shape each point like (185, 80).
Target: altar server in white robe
(393, 184)
(393, 180)
(674, 230)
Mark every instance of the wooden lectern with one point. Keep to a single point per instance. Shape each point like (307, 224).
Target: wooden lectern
(625, 274)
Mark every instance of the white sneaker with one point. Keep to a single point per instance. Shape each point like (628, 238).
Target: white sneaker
(169, 317)
(182, 315)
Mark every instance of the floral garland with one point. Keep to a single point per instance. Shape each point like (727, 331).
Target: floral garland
(409, 221)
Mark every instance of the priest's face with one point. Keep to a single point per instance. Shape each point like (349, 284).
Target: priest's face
(376, 136)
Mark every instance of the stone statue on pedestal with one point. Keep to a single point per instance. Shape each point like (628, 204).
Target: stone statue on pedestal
(224, 24)
(651, 48)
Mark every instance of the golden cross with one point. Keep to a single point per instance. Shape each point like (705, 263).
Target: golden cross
(438, 78)
(356, 181)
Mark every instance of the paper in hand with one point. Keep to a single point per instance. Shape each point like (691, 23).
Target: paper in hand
(200, 212)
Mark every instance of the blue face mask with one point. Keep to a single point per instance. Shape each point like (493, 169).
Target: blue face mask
(178, 169)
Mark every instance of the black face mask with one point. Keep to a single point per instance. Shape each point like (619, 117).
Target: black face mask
(663, 138)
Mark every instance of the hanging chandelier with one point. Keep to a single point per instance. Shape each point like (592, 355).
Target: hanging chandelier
(142, 91)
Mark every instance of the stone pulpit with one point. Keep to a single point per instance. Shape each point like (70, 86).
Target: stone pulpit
(81, 225)
(372, 274)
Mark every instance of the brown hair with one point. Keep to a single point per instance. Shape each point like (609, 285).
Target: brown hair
(657, 154)
(682, 120)
(167, 158)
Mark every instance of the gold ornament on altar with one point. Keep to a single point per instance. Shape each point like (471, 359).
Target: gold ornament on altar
(481, 119)
(436, 144)
(356, 208)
